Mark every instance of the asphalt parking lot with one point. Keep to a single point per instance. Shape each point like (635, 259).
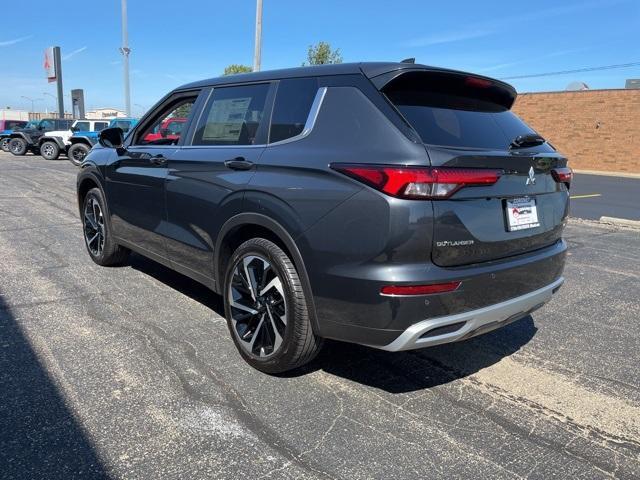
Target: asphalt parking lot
(595, 196)
(130, 373)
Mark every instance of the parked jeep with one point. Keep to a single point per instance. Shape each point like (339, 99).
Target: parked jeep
(6, 129)
(81, 142)
(27, 139)
(54, 143)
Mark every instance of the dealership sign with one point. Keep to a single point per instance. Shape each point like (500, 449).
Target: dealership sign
(50, 64)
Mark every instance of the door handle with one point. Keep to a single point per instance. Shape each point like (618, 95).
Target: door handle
(158, 160)
(238, 163)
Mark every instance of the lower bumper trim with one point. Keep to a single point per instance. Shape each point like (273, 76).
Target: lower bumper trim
(473, 322)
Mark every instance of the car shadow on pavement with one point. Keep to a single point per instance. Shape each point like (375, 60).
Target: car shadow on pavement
(409, 371)
(179, 282)
(39, 434)
(400, 372)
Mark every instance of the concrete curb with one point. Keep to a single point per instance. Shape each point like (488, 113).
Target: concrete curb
(608, 174)
(608, 222)
(621, 222)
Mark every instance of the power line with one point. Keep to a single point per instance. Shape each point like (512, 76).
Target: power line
(577, 70)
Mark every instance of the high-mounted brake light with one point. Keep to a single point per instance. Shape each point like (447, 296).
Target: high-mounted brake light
(477, 82)
(392, 290)
(562, 175)
(419, 183)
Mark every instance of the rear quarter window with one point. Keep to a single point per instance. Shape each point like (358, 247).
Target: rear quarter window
(292, 106)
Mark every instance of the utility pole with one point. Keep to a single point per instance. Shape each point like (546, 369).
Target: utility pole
(257, 54)
(125, 51)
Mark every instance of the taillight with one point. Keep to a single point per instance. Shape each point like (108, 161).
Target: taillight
(404, 290)
(562, 175)
(419, 182)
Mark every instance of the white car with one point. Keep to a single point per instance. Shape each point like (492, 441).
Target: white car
(53, 143)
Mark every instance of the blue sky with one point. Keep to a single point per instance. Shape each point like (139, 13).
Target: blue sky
(178, 42)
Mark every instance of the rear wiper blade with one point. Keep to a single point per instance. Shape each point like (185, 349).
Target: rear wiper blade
(528, 140)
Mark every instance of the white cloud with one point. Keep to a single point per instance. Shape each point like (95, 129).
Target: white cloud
(447, 37)
(531, 60)
(498, 25)
(68, 56)
(7, 43)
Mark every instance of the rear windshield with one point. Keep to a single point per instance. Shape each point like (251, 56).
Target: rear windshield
(456, 114)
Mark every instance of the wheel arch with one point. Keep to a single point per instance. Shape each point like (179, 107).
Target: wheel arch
(86, 181)
(245, 226)
(82, 140)
(57, 140)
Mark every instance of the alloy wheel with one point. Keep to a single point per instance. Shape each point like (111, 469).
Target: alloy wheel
(94, 227)
(258, 308)
(48, 150)
(15, 147)
(78, 155)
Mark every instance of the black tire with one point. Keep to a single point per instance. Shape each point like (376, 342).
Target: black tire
(109, 253)
(4, 144)
(299, 344)
(77, 152)
(50, 150)
(18, 146)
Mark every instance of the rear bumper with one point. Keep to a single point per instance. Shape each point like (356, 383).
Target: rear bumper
(451, 328)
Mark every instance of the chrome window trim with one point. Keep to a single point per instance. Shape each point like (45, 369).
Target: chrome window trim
(311, 119)
(308, 125)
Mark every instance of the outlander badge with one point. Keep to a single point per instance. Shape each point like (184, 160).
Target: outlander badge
(532, 177)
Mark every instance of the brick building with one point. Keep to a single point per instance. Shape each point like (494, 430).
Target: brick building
(595, 129)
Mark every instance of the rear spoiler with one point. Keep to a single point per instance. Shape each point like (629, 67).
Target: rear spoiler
(490, 89)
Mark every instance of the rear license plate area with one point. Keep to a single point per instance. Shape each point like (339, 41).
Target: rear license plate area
(521, 213)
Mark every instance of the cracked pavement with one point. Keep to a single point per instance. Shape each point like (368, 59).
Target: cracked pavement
(130, 372)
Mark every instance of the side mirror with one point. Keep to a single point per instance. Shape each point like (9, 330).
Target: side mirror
(111, 137)
(74, 129)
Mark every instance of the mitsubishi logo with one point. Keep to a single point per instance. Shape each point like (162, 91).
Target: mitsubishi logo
(532, 177)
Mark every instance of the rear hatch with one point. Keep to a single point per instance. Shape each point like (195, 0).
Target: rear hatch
(465, 121)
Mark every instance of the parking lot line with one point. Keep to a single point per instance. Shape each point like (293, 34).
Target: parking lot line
(590, 195)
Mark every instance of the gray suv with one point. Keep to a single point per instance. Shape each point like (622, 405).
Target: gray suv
(387, 204)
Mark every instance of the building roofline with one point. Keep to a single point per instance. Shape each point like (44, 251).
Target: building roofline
(581, 91)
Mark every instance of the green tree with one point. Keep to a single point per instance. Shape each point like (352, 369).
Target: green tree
(237, 68)
(322, 53)
(183, 110)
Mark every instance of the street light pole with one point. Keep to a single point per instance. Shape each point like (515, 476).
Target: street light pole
(257, 53)
(52, 96)
(32, 100)
(125, 51)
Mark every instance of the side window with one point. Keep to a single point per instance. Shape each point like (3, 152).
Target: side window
(293, 103)
(175, 115)
(123, 124)
(46, 125)
(232, 116)
(82, 126)
(100, 126)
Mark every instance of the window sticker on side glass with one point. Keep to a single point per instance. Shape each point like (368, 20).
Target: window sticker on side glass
(226, 118)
